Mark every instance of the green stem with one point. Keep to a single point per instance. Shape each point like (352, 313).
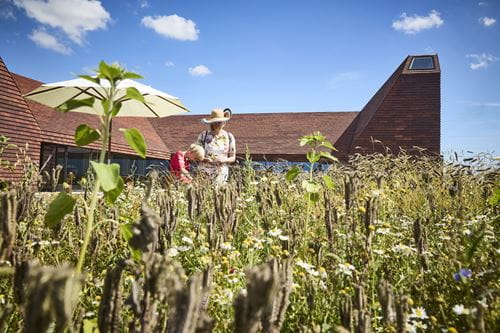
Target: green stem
(93, 201)
(311, 167)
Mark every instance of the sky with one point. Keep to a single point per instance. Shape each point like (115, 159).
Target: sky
(272, 55)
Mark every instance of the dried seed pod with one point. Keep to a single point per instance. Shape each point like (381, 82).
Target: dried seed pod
(272, 321)
(421, 243)
(262, 287)
(145, 231)
(402, 308)
(328, 217)
(186, 307)
(109, 315)
(191, 199)
(5, 312)
(346, 313)
(8, 224)
(51, 294)
(385, 296)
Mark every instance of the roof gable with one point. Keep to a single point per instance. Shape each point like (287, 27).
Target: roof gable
(17, 123)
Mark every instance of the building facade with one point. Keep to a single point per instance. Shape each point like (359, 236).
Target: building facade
(403, 114)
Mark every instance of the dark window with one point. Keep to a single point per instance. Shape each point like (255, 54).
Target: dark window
(75, 162)
(422, 63)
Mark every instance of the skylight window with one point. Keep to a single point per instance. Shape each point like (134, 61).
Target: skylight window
(422, 63)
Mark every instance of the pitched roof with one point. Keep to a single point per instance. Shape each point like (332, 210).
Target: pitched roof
(264, 133)
(16, 123)
(60, 127)
(404, 112)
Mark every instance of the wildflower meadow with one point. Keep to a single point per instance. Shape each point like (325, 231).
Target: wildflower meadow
(390, 243)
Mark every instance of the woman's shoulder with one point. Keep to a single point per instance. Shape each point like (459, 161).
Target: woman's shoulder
(228, 134)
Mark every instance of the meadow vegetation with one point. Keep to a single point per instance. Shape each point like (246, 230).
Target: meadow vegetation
(392, 243)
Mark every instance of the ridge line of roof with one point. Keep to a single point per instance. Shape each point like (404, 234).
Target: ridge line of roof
(369, 106)
(267, 113)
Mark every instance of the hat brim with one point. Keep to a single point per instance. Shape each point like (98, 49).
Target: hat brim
(214, 120)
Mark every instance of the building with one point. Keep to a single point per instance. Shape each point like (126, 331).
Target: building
(403, 114)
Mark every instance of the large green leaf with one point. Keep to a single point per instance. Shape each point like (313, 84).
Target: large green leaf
(311, 186)
(116, 108)
(312, 196)
(135, 140)
(106, 105)
(76, 103)
(90, 326)
(112, 195)
(62, 205)
(89, 78)
(110, 72)
(328, 182)
(328, 144)
(328, 156)
(133, 93)
(107, 174)
(127, 233)
(292, 173)
(85, 135)
(495, 198)
(313, 156)
(131, 75)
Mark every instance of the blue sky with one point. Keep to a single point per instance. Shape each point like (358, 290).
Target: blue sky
(271, 56)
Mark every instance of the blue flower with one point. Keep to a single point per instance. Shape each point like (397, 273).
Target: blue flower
(463, 273)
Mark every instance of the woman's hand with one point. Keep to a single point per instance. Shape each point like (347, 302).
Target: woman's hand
(214, 160)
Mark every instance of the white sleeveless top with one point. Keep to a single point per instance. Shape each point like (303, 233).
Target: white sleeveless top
(215, 147)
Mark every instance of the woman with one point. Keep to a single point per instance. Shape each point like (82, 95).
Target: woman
(219, 145)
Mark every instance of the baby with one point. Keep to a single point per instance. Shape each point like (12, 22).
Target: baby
(179, 162)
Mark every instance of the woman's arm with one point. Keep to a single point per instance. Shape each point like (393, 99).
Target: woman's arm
(231, 155)
(186, 173)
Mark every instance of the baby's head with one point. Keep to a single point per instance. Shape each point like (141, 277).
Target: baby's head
(195, 152)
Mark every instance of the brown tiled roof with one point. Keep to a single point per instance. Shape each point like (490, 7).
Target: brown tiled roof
(17, 123)
(60, 127)
(405, 112)
(266, 134)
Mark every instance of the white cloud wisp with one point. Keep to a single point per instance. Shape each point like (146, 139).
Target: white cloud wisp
(487, 21)
(414, 24)
(200, 70)
(482, 60)
(172, 26)
(47, 41)
(74, 17)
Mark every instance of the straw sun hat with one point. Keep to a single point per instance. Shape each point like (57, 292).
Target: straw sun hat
(217, 116)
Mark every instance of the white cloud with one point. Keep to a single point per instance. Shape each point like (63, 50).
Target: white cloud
(487, 21)
(74, 17)
(144, 4)
(200, 70)
(172, 26)
(47, 41)
(169, 63)
(413, 24)
(341, 79)
(482, 60)
(486, 104)
(482, 4)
